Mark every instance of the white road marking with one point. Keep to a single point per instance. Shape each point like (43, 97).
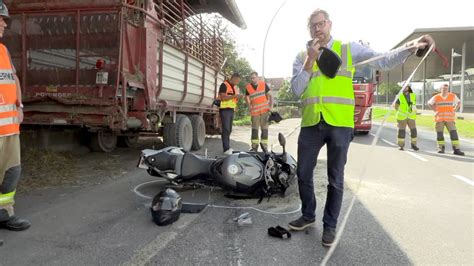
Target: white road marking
(450, 155)
(386, 141)
(417, 156)
(135, 189)
(466, 180)
(389, 143)
(145, 254)
(446, 136)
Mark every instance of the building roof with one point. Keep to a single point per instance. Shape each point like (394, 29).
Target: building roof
(445, 39)
(275, 83)
(227, 8)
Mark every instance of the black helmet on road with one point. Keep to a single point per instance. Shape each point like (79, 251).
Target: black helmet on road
(166, 207)
(274, 117)
(4, 10)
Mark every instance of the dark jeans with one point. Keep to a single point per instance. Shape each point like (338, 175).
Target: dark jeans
(227, 118)
(310, 142)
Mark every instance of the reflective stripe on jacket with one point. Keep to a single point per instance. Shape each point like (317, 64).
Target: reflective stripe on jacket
(405, 110)
(231, 103)
(9, 123)
(258, 99)
(331, 98)
(444, 108)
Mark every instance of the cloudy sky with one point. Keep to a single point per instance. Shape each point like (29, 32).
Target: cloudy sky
(381, 23)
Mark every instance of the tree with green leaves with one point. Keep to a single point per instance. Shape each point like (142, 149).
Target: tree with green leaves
(237, 64)
(285, 93)
(388, 88)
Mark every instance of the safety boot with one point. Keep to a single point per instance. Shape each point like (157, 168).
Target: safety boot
(15, 224)
(458, 152)
(414, 147)
(441, 149)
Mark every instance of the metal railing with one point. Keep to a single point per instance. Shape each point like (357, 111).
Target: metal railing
(190, 32)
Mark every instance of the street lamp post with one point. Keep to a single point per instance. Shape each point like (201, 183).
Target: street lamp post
(266, 35)
(453, 55)
(463, 71)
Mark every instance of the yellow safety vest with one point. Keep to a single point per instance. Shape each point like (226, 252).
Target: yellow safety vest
(333, 98)
(405, 111)
(231, 103)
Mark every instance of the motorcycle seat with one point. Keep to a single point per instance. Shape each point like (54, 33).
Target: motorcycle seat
(194, 165)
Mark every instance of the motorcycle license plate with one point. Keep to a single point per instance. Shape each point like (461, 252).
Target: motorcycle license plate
(141, 163)
(102, 78)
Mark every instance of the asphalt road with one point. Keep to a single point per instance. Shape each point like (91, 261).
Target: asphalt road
(407, 211)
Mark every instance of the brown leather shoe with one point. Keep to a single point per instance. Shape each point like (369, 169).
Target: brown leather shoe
(15, 224)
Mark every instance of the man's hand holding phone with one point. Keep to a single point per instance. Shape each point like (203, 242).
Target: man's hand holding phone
(312, 48)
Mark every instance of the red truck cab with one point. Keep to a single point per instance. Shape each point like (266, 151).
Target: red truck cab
(364, 83)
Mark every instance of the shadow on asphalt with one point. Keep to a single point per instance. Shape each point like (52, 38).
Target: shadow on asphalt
(85, 229)
(219, 242)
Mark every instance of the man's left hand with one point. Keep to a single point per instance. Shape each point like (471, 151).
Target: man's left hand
(20, 115)
(421, 42)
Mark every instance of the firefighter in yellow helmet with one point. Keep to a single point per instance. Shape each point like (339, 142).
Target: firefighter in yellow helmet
(11, 115)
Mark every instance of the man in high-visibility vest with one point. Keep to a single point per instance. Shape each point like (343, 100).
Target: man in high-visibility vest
(260, 102)
(445, 105)
(11, 115)
(328, 114)
(229, 96)
(406, 115)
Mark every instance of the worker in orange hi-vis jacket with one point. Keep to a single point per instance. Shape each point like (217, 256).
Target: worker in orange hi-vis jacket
(260, 102)
(11, 115)
(445, 105)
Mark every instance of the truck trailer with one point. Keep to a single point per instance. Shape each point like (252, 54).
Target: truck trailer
(115, 69)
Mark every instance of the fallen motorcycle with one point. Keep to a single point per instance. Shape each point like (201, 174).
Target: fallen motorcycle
(259, 174)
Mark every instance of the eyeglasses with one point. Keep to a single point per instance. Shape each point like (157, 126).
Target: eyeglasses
(318, 25)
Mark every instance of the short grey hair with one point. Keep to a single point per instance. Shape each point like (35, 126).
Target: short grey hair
(315, 13)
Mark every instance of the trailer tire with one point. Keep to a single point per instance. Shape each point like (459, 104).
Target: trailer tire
(168, 136)
(127, 141)
(103, 141)
(179, 134)
(199, 131)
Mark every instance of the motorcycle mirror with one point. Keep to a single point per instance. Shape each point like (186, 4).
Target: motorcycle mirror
(281, 139)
